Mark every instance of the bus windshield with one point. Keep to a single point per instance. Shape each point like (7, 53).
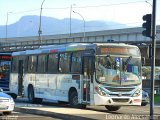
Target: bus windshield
(118, 70)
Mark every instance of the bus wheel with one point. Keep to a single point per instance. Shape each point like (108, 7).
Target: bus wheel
(112, 108)
(31, 95)
(73, 99)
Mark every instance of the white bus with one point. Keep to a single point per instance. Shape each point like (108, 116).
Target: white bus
(82, 74)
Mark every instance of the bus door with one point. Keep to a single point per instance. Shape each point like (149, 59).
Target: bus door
(20, 77)
(87, 82)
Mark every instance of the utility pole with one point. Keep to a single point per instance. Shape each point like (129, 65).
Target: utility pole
(40, 30)
(153, 59)
(70, 21)
(150, 31)
(83, 25)
(7, 26)
(70, 26)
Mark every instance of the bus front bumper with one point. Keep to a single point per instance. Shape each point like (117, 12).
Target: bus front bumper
(121, 101)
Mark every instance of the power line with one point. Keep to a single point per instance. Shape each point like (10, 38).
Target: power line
(58, 8)
(103, 5)
(25, 11)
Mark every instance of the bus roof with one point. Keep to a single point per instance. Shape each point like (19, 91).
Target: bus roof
(57, 48)
(115, 44)
(66, 47)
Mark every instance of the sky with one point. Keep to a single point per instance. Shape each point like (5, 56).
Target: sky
(127, 12)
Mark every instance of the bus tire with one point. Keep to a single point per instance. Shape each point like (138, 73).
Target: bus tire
(31, 96)
(73, 100)
(112, 108)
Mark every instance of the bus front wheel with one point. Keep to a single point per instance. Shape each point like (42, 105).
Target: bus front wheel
(112, 108)
(73, 100)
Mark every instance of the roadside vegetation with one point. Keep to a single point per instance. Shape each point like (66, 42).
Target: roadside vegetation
(157, 98)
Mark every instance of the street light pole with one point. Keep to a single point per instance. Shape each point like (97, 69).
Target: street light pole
(148, 3)
(71, 19)
(83, 25)
(40, 30)
(7, 25)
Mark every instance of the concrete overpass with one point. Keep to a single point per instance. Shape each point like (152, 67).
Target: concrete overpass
(129, 35)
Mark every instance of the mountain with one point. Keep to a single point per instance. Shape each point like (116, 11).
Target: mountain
(29, 25)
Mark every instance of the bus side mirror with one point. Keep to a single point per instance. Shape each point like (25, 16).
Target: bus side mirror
(143, 61)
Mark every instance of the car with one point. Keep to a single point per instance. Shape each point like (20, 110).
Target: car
(6, 103)
(145, 98)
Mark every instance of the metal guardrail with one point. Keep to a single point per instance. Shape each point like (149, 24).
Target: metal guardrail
(19, 46)
(24, 43)
(28, 45)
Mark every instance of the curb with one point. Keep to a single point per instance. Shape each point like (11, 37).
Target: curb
(51, 114)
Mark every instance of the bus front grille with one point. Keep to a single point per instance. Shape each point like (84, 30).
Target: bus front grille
(119, 89)
(120, 100)
(118, 95)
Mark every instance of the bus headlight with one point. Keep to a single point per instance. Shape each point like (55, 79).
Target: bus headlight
(137, 93)
(100, 91)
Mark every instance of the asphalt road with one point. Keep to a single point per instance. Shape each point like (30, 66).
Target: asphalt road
(128, 110)
(100, 112)
(24, 116)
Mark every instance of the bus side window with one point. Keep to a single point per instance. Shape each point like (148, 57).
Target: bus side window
(88, 66)
(42, 64)
(53, 63)
(76, 63)
(64, 62)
